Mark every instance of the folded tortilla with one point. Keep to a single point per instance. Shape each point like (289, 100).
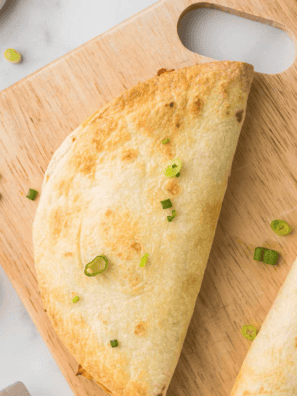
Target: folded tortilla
(270, 366)
(102, 195)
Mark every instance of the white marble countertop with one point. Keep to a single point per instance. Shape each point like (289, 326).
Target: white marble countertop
(43, 31)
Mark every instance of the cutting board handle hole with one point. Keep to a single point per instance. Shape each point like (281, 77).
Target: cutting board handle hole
(223, 33)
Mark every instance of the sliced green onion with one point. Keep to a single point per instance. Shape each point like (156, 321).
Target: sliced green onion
(280, 227)
(114, 343)
(173, 167)
(165, 141)
(12, 55)
(32, 194)
(166, 204)
(143, 260)
(96, 266)
(270, 257)
(178, 175)
(258, 254)
(75, 299)
(170, 218)
(249, 332)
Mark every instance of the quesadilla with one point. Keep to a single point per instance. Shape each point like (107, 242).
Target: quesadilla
(270, 366)
(126, 220)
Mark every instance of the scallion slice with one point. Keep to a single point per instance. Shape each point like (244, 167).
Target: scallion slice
(166, 204)
(114, 343)
(249, 332)
(281, 227)
(173, 168)
(96, 266)
(170, 218)
(143, 260)
(32, 194)
(75, 299)
(270, 257)
(258, 254)
(165, 141)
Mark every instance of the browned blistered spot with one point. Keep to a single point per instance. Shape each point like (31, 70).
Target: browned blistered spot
(68, 254)
(140, 329)
(228, 112)
(76, 198)
(177, 125)
(171, 104)
(169, 151)
(196, 106)
(73, 139)
(60, 220)
(63, 186)
(84, 160)
(47, 177)
(118, 140)
(129, 155)
(82, 371)
(136, 246)
(108, 212)
(104, 322)
(119, 232)
(161, 71)
(102, 134)
(172, 187)
(239, 115)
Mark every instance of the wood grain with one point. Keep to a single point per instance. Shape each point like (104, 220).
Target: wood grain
(37, 113)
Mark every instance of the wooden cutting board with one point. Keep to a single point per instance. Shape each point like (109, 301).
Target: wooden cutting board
(36, 115)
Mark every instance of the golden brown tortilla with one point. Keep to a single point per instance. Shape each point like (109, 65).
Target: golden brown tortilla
(101, 196)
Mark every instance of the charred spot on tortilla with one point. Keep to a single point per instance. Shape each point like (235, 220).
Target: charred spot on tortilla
(82, 371)
(136, 246)
(108, 212)
(140, 329)
(172, 187)
(196, 106)
(129, 155)
(163, 70)
(239, 115)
